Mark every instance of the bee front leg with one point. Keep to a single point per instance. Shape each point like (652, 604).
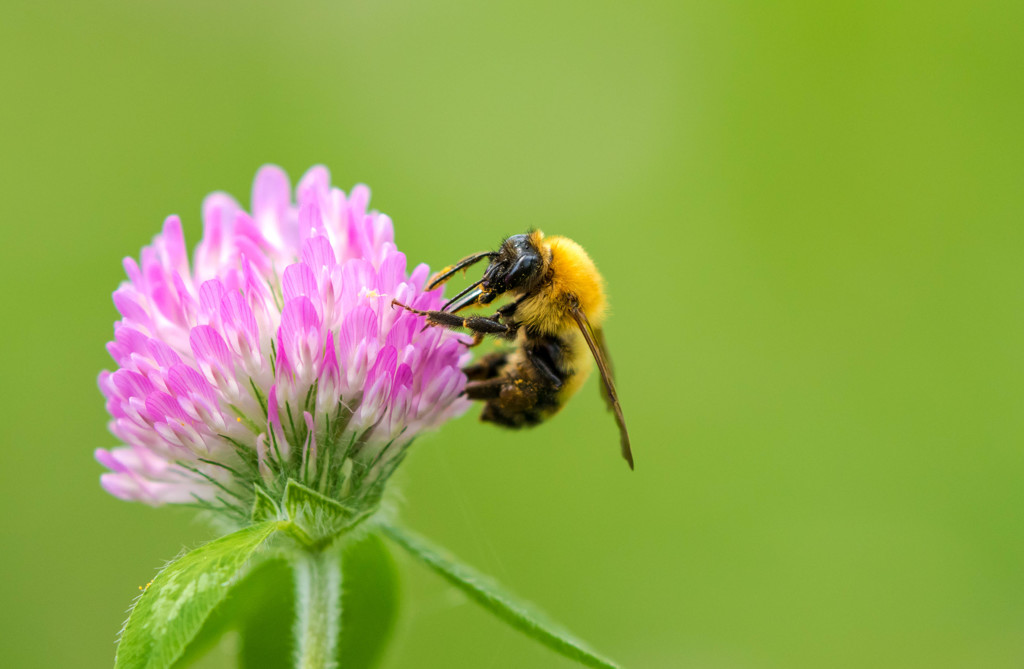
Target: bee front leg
(478, 325)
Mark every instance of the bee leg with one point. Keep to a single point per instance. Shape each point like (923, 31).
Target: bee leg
(484, 390)
(543, 368)
(475, 324)
(489, 326)
(508, 399)
(478, 337)
(513, 405)
(506, 312)
(487, 367)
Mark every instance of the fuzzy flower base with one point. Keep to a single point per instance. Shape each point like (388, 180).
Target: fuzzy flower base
(275, 355)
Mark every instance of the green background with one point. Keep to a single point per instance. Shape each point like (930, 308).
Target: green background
(809, 216)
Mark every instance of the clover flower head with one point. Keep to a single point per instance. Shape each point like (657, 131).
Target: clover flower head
(275, 354)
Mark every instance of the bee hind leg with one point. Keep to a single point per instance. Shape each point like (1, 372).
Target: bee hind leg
(508, 401)
(487, 367)
(509, 394)
(484, 390)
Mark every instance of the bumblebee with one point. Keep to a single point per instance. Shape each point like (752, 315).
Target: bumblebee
(554, 316)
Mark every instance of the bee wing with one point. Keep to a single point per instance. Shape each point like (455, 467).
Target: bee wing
(601, 346)
(596, 343)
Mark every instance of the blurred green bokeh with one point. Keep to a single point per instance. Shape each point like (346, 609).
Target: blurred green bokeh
(811, 220)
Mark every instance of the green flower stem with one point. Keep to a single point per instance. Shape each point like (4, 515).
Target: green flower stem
(317, 608)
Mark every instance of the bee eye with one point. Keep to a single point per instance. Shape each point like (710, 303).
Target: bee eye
(521, 270)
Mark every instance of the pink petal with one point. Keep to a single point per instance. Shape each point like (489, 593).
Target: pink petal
(131, 384)
(318, 253)
(311, 221)
(391, 273)
(300, 281)
(271, 196)
(315, 183)
(300, 337)
(210, 294)
(128, 306)
(172, 243)
(240, 329)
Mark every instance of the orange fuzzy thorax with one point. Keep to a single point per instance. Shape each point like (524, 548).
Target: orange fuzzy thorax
(572, 274)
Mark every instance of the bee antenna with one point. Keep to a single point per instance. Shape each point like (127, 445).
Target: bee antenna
(449, 271)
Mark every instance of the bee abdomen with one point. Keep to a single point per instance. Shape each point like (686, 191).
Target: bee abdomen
(521, 403)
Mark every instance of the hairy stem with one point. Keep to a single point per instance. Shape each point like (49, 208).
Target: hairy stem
(317, 608)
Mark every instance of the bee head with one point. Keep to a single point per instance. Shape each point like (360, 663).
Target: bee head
(517, 266)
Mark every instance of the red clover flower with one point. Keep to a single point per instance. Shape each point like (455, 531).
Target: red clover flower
(275, 355)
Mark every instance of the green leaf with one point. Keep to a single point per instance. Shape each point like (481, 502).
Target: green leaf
(518, 614)
(264, 508)
(249, 597)
(369, 603)
(172, 610)
(319, 517)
